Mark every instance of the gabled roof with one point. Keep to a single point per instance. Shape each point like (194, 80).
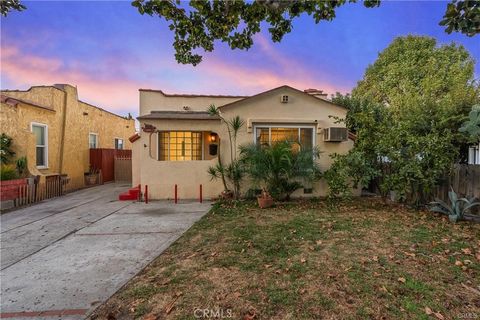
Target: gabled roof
(179, 115)
(15, 101)
(192, 95)
(278, 88)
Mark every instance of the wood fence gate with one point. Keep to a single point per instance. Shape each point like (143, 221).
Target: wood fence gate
(123, 168)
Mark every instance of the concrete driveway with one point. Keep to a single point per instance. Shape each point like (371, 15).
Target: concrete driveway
(62, 258)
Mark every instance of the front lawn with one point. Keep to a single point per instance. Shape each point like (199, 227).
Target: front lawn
(309, 260)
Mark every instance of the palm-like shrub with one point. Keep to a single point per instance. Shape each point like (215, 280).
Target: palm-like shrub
(457, 208)
(281, 168)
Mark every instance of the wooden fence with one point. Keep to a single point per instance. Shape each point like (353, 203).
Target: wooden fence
(104, 160)
(123, 169)
(31, 193)
(465, 180)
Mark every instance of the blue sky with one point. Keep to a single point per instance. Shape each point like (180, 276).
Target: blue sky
(109, 51)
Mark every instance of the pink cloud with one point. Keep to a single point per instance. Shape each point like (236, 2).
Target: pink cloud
(111, 93)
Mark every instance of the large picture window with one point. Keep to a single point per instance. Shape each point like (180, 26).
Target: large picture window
(266, 135)
(41, 142)
(180, 146)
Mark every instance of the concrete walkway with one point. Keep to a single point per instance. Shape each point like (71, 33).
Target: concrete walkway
(62, 258)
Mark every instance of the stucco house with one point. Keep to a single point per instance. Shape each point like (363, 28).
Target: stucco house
(174, 145)
(54, 130)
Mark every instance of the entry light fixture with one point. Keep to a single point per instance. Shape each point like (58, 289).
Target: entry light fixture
(213, 137)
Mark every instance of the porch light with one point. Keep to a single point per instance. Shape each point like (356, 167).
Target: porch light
(213, 137)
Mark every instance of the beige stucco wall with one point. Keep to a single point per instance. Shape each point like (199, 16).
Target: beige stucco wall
(70, 121)
(152, 100)
(301, 110)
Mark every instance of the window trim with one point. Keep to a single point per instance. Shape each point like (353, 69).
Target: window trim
(96, 140)
(115, 145)
(45, 152)
(202, 141)
(280, 125)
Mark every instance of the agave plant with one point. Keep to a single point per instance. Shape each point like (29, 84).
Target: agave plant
(457, 208)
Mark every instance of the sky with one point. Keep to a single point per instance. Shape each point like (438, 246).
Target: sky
(109, 51)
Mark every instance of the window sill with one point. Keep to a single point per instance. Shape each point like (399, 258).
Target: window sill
(42, 167)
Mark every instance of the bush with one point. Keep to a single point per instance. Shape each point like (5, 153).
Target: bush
(8, 172)
(281, 167)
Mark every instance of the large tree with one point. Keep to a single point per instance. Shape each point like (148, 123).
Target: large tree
(407, 110)
(200, 23)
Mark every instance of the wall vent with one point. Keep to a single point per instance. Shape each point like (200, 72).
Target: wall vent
(335, 134)
(284, 99)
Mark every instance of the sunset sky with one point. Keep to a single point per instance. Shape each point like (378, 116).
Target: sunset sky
(109, 51)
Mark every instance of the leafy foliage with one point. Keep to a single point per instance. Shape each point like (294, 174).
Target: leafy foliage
(21, 166)
(6, 152)
(472, 125)
(349, 171)
(200, 23)
(457, 208)
(406, 112)
(282, 167)
(232, 172)
(8, 5)
(462, 16)
(8, 172)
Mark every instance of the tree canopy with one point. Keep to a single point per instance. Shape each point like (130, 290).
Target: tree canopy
(200, 23)
(406, 112)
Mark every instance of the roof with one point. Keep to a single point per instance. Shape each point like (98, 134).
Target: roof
(192, 95)
(278, 88)
(14, 101)
(179, 115)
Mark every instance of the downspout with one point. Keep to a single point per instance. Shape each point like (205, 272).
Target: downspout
(62, 141)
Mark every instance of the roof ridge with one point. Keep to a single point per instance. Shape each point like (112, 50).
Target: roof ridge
(193, 95)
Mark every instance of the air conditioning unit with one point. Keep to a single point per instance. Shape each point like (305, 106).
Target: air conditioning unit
(335, 134)
(284, 99)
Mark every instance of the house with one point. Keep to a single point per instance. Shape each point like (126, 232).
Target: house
(174, 146)
(54, 130)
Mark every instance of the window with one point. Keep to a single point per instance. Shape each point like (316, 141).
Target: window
(93, 141)
(41, 142)
(180, 146)
(118, 143)
(265, 135)
(474, 155)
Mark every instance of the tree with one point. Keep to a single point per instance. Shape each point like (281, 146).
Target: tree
(472, 125)
(406, 112)
(232, 172)
(6, 152)
(8, 5)
(200, 23)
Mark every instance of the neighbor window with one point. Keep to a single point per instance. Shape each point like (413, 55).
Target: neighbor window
(118, 143)
(180, 145)
(265, 135)
(93, 141)
(41, 141)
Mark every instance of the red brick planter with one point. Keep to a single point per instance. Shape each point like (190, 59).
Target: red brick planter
(9, 189)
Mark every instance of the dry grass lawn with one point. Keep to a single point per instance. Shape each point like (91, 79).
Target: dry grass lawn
(308, 260)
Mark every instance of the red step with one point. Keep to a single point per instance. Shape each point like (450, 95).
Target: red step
(131, 194)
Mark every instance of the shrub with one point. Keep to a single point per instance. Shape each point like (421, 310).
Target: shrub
(281, 167)
(6, 152)
(457, 208)
(8, 172)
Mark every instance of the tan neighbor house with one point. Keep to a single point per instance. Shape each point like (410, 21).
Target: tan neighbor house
(55, 130)
(174, 145)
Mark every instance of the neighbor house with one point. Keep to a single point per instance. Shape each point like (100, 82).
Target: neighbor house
(179, 140)
(54, 130)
